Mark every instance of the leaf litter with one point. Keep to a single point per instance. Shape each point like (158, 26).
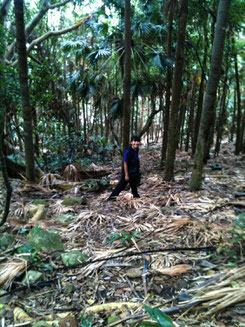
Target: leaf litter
(168, 221)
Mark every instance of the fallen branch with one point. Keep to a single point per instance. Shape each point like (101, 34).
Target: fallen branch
(55, 33)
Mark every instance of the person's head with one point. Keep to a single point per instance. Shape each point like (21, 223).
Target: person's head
(135, 142)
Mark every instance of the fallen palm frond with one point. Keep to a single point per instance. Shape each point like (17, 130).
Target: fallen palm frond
(229, 290)
(49, 180)
(11, 269)
(202, 234)
(127, 200)
(58, 208)
(28, 186)
(220, 299)
(71, 173)
(95, 167)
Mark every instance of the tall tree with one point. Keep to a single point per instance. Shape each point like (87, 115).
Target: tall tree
(210, 95)
(176, 94)
(23, 77)
(127, 75)
(170, 8)
(238, 144)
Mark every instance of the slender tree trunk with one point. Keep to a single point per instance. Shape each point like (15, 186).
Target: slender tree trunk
(127, 76)
(210, 96)
(181, 122)
(168, 89)
(23, 76)
(3, 95)
(221, 120)
(239, 111)
(136, 115)
(84, 122)
(243, 131)
(190, 123)
(177, 89)
(233, 117)
(201, 94)
(4, 170)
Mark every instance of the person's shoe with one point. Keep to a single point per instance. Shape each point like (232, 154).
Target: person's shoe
(111, 198)
(136, 195)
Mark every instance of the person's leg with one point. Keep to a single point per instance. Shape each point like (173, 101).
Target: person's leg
(120, 186)
(133, 184)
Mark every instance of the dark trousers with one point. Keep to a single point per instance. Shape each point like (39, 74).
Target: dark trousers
(133, 181)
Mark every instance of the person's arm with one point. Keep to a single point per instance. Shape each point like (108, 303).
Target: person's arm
(126, 171)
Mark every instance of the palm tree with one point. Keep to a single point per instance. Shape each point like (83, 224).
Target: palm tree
(210, 96)
(23, 76)
(176, 94)
(127, 76)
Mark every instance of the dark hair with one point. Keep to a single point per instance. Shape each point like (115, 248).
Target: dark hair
(135, 138)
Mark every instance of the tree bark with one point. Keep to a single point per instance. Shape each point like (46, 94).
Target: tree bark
(238, 143)
(176, 94)
(210, 95)
(201, 94)
(23, 77)
(4, 172)
(127, 76)
(169, 84)
(190, 125)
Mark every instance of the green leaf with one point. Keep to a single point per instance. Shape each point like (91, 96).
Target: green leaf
(148, 324)
(161, 317)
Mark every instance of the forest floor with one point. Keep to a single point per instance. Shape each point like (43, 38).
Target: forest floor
(173, 249)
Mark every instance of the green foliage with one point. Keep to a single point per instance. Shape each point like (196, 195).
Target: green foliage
(158, 315)
(86, 321)
(41, 239)
(124, 237)
(235, 241)
(30, 253)
(41, 76)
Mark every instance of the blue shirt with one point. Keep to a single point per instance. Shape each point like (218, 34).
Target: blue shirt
(126, 155)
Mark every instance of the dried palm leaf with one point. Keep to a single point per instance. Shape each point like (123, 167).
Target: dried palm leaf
(174, 270)
(11, 269)
(48, 180)
(71, 173)
(95, 167)
(20, 315)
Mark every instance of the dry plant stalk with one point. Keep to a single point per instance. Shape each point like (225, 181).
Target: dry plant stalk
(223, 294)
(11, 269)
(112, 306)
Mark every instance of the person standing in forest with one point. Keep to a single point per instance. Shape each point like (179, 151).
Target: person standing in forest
(130, 170)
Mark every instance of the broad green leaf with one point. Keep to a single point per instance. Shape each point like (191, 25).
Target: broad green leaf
(148, 324)
(161, 317)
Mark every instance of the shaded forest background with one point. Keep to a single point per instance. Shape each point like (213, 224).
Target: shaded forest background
(77, 78)
(73, 107)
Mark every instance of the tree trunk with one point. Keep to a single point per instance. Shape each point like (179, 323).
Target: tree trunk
(221, 120)
(4, 171)
(233, 118)
(200, 95)
(239, 111)
(190, 123)
(127, 76)
(168, 88)
(177, 88)
(210, 96)
(23, 76)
